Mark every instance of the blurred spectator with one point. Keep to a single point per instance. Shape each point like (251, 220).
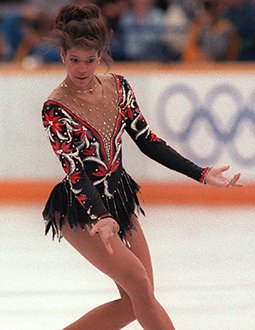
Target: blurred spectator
(8, 3)
(112, 11)
(190, 7)
(211, 37)
(3, 50)
(10, 23)
(162, 4)
(143, 30)
(49, 6)
(242, 14)
(23, 30)
(176, 27)
(140, 33)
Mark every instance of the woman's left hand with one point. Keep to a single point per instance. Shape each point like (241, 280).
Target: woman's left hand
(215, 178)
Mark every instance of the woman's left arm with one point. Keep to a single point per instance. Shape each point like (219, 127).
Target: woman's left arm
(158, 150)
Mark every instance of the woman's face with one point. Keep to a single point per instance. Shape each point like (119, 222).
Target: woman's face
(81, 65)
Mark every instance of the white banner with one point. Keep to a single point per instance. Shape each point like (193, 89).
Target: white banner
(207, 117)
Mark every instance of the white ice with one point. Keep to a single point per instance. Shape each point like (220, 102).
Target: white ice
(204, 265)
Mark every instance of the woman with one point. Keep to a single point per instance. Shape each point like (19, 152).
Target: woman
(85, 117)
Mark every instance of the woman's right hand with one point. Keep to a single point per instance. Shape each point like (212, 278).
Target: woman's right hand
(106, 228)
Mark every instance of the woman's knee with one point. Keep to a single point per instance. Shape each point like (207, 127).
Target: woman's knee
(139, 285)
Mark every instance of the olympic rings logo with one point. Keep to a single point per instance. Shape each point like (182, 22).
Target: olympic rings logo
(224, 128)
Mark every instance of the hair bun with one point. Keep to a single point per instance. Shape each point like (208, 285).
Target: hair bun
(91, 11)
(75, 13)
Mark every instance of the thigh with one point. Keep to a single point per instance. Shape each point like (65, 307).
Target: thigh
(123, 266)
(139, 246)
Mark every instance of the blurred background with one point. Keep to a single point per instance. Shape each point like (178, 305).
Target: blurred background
(191, 65)
(146, 30)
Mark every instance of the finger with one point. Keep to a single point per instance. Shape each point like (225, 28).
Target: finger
(223, 168)
(108, 245)
(231, 182)
(93, 231)
(234, 180)
(239, 185)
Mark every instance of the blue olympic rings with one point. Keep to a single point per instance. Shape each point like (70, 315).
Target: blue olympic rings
(202, 113)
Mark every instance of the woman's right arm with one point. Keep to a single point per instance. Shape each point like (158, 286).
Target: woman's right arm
(60, 133)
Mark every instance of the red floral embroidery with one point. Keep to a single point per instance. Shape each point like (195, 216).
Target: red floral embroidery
(154, 138)
(130, 113)
(141, 117)
(56, 146)
(75, 177)
(82, 132)
(63, 147)
(52, 120)
(101, 171)
(66, 147)
(82, 198)
(115, 166)
(89, 151)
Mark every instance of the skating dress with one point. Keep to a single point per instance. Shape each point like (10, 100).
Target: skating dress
(87, 139)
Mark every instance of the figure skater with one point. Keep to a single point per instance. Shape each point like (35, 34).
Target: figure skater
(95, 208)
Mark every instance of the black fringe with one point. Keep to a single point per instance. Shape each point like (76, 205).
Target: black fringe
(62, 206)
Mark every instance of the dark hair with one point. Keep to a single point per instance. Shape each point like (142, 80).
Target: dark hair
(82, 27)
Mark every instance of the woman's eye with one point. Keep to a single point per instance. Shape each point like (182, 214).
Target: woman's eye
(75, 60)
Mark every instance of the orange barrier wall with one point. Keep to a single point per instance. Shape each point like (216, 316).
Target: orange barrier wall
(151, 192)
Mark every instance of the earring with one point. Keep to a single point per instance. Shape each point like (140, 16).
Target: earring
(63, 60)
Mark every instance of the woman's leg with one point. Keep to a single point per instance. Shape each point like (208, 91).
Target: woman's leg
(132, 272)
(119, 313)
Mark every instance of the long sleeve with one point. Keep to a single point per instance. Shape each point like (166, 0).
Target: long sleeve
(151, 145)
(60, 132)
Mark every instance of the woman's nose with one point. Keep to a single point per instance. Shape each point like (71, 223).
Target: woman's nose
(82, 68)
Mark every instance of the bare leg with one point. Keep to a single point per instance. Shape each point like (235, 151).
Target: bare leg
(119, 313)
(132, 272)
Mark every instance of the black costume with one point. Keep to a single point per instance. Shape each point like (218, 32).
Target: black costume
(87, 140)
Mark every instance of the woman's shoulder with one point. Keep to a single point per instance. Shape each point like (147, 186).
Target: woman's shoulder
(56, 96)
(55, 100)
(57, 93)
(109, 76)
(112, 79)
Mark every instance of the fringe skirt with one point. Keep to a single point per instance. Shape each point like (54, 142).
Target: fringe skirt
(62, 207)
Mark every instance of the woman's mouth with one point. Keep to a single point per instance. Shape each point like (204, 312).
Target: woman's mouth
(81, 78)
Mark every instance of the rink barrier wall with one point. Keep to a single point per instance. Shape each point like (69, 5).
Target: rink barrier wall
(25, 192)
(27, 180)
